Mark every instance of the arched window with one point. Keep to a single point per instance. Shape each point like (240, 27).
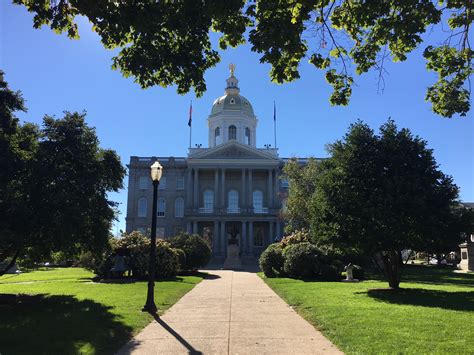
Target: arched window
(257, 200)
(233, 201)
(217, 136)
(142, 207)
(161, 207)
(232, 132)
(247, 135)
(208, 201)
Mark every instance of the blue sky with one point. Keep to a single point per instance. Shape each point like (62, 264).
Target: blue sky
(57, 74)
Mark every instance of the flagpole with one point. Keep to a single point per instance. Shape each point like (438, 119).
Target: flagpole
(274, 123)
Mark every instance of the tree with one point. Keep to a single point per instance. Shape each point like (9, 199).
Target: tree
(168, 42)
(380, 194)
(54, 183)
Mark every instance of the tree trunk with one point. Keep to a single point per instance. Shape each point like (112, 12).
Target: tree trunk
(391, 261)
(12, 262)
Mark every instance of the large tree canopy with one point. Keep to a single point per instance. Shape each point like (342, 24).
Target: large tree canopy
(379, 194)
(168, 42)
(54, 182)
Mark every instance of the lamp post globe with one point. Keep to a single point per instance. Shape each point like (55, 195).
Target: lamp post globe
(156, 171)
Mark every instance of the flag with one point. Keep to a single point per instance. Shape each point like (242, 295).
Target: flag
(190, 114)
(274, 112)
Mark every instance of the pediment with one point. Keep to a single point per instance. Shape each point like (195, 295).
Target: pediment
(233, 150)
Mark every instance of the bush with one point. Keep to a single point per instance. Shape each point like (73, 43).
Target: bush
(167, 260)
(302, 260)
(301, 236)
(135, 248)
(196, 249)
(271, 260)
(330, 273)
(181, 259)
(87, 260)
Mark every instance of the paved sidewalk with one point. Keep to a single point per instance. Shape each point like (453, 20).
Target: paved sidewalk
(230, 312)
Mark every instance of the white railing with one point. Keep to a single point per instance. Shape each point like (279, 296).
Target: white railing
(206, 209)
(233, 209)
(260, 210)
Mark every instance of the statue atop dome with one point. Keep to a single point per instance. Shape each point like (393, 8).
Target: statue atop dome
(232, 69)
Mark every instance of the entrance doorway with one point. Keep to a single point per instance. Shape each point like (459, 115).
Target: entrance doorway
(233, 233)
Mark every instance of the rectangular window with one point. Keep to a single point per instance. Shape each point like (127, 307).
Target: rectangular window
(180, 183)
(143, 182)
(285, 184)
(162, 185)
(258, 237)
(464, 255)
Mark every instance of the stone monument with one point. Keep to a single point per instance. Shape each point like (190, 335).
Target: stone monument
(467, 254)
(232, 261)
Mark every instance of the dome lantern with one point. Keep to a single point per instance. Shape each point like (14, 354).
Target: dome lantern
(232, 116)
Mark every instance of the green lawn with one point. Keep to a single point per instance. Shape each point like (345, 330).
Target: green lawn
(71, 314)
(433, 313)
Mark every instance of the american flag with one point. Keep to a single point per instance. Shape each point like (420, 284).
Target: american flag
(190, 114)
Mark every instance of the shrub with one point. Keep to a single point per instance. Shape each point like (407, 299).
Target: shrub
(197, 250)
(302, 260)
(87, 260)
(330, 273)
(271, 260)
(167, 260)
(301, 236)
(135, 248)
(181, 259)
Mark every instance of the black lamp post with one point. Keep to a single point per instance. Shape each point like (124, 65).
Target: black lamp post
(150, 306)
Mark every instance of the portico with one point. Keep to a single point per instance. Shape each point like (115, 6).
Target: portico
(230, 193)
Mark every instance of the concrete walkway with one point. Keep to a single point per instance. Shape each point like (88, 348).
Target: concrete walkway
(230, 312)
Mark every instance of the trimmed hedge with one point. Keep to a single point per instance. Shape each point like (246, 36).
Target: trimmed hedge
(271, 260)
(302, 260)
(295, 256)
(196, 249)
(135, 248)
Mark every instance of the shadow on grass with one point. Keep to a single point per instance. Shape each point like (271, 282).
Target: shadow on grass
(431, 275)
(458, 301)
(44, 324)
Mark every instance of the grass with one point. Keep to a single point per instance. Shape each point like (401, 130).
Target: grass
(70, 314)
(432, 313)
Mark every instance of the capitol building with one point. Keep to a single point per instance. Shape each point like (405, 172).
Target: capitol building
(230, 190)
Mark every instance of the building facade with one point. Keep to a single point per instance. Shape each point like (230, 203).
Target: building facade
(230, 190)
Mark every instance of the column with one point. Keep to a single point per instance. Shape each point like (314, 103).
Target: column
(195, 227)
(223, 188)
(244, 241)
(223, 240)
(250, 201)
(196, 188)
(251, 237)
(270, 232)
(276, 189)
(243, 194)
(269, 189)
(216, 188)
(215, 239)
(278, 230)
(189, 192)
